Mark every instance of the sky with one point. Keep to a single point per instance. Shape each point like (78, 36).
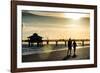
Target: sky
(55, 25)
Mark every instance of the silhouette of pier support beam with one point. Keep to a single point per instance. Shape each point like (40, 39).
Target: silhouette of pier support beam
(65, 43)
(29, 44)
(82, 42)
(56, 43)
(47, 42)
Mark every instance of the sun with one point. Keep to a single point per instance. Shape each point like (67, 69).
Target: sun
(73, 16)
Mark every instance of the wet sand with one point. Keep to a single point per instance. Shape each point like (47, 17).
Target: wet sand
(57, 54)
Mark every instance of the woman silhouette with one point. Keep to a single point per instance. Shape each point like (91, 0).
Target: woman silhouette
(74, 47)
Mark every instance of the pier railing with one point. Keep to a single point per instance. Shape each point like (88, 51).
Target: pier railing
(62, 40)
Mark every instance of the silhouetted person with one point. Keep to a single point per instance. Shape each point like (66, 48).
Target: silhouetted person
(69, 47)
(74, 48)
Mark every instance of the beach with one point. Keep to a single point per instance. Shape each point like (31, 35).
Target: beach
(53, 53)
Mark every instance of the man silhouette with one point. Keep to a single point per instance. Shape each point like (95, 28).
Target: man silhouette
(69, 47)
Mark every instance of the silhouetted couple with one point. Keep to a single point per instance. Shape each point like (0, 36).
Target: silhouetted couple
(70, 45)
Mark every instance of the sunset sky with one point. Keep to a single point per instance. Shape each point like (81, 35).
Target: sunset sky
(56, 25)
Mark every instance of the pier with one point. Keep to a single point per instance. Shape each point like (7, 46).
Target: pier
(62, 40)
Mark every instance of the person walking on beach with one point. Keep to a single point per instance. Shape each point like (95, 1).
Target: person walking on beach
(74, 47)
(69, 47)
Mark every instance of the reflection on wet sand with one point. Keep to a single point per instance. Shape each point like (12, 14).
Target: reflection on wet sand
(53, 53)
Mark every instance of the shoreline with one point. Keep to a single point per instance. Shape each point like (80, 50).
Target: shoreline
(40, 51)
(82, 53)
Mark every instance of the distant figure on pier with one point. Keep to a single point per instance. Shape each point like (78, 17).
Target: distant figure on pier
(35, 38)
(74, 48)
(69, 47)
